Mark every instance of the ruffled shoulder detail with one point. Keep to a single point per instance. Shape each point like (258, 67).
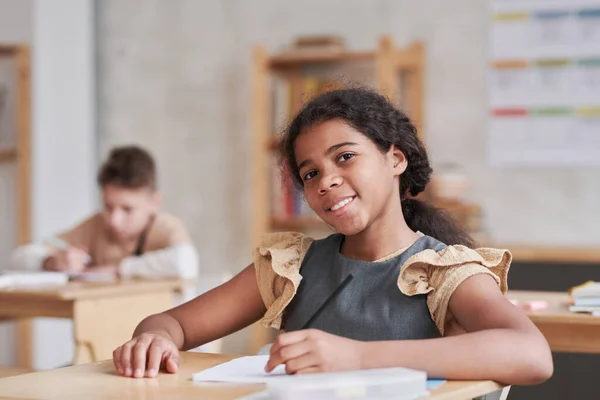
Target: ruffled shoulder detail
(438, 274)
(277, 262)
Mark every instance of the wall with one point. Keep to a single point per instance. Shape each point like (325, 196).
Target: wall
(63, 139)
(15, 21)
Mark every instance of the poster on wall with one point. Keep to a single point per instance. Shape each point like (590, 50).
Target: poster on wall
(544, 83)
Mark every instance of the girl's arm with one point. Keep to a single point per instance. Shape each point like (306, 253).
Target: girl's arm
(501, 342)
(217, 313)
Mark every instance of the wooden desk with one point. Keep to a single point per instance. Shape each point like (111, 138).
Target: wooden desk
(100, 381)
(564, 330)
(104, 314)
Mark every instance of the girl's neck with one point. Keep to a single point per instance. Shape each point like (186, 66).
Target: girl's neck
(386, 234)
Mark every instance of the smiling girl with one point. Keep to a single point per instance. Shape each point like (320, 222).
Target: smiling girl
(397, 285)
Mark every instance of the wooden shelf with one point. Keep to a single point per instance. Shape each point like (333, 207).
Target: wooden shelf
(7, 50)
(297, 223)
(8, 154)
(564, 255)
(293, 59)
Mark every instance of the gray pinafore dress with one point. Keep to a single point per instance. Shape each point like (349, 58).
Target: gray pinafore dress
(369, 306)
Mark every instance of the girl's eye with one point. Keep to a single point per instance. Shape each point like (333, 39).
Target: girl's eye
(309, 175)
(345, 157)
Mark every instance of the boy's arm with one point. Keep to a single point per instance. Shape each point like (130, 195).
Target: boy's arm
(178, 261)
(34, 256)
(175, 255)
(29, 257)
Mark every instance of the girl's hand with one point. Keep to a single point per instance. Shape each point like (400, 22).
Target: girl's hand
(310, 351)
(145, 354)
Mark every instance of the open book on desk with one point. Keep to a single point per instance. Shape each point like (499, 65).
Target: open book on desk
(47, 278)
(32, 278)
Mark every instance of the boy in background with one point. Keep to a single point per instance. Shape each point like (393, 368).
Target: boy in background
(129, 237)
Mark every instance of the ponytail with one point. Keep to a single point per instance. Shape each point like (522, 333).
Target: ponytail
(425, 218)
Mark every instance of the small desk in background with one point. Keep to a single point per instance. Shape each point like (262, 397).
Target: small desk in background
(104, 314)
(565, 331)
(100, 381)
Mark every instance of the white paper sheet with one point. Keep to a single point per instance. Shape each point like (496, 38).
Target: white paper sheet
(249, 369)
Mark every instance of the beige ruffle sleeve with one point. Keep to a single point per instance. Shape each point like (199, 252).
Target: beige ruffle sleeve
(277, 262)
(278, 258)
(438, 274)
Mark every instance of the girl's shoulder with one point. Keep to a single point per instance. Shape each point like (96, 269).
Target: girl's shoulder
(290, 241)
(277, 260)
(438, 273)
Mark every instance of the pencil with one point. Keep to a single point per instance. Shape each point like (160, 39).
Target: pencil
(328, 300)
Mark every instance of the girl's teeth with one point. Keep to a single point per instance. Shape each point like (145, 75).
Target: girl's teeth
(341, 204)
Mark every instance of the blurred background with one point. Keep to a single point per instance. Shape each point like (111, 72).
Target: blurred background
(506, 93)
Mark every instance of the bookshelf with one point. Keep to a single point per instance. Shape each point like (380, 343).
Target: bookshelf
(295, 75)
(15, 130)
(15, 163)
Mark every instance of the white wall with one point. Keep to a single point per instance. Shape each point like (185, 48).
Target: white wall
(63, 139)
(15, 21)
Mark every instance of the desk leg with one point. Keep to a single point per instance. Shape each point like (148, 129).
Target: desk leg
(102, 324)
(24, 343)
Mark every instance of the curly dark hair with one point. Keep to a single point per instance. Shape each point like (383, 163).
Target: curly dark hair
(130, 167)
(385, 125)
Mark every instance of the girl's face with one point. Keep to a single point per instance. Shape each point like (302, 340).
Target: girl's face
(347, 181)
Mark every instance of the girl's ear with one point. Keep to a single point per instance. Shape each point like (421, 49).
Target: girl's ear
(397, 160)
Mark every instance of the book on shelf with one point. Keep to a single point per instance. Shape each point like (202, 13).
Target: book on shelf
(287, 200)
(290, 94)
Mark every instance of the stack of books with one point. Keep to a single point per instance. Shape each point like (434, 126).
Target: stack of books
(586, 298)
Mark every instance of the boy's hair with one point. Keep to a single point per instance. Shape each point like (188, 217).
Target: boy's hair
(129, 167)
(375, 116)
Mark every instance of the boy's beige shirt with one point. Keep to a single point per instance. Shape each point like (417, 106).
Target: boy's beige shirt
(167, 252)
(92, 234)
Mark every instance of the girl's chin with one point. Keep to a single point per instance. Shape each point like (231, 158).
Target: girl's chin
(348, 228)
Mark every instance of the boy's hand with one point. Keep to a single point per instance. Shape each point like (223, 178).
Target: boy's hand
(145, 354)
(311, 350)
(72, 259)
